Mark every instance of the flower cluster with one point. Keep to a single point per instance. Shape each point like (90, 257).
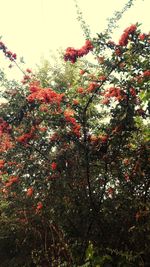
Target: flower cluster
(132, 92)
(68, 114)
(5, 143)
(113, 92)
(100, 139)
(72, 54)
(7, 53)
(2, 162)
(80, 90)
(144, 37)
(12, 180)
(45, 95)
(54, 137)
(28, 76)
(26, 137)
(125, 36)
(144, 75)
(92, 87)
(102, 78)
(30, 192)
(4, 127)
(26, 79)
(5, 139)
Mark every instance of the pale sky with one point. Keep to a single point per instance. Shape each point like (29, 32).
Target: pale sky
(31, 28)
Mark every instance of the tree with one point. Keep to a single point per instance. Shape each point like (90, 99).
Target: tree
(77, 186)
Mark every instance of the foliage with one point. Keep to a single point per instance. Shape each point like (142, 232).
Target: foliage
(75, 187)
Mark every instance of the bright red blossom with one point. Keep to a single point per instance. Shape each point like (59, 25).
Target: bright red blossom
(72, 54)
(125, 36)
(26, 137)
(75, 101)
(39, 206)
(142, 36)
(2, 162)
(12, 56)
(82, 72)
(92, 87)
(30, 192)
(54, 166)
(45, 95)
(12, 180)
(146, 73)
(80, 90)
(113, 92)
(76, 129)
(68, 112)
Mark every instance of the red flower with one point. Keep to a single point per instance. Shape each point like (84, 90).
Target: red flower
(28, 70)
(45, 95)
(11, 163)
(12, 180)
(146, 73)
(26, 137)
(2, 162)
(54, 166)
(2, 46)
(43, 108)
(88, 45)
(75, 101)
(42, 129)
(117, 51)
(30, 192)
(105, 101)
(126, 176)
(126, 161)
(132, 92)
(8, 184)
(142, 36)
(102, 78)
(110, 191)
(14, 56)
(72, 54)
(76, 129)
(112, 92)
(39, 206)
(82, 72)
(103, 138)
(80, 90)
(54, 137)
(125, 36)
(68, 112)
(92, 87)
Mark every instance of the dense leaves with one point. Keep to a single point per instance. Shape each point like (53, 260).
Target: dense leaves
(74, 159)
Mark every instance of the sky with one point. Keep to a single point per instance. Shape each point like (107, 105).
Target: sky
(33, 28)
